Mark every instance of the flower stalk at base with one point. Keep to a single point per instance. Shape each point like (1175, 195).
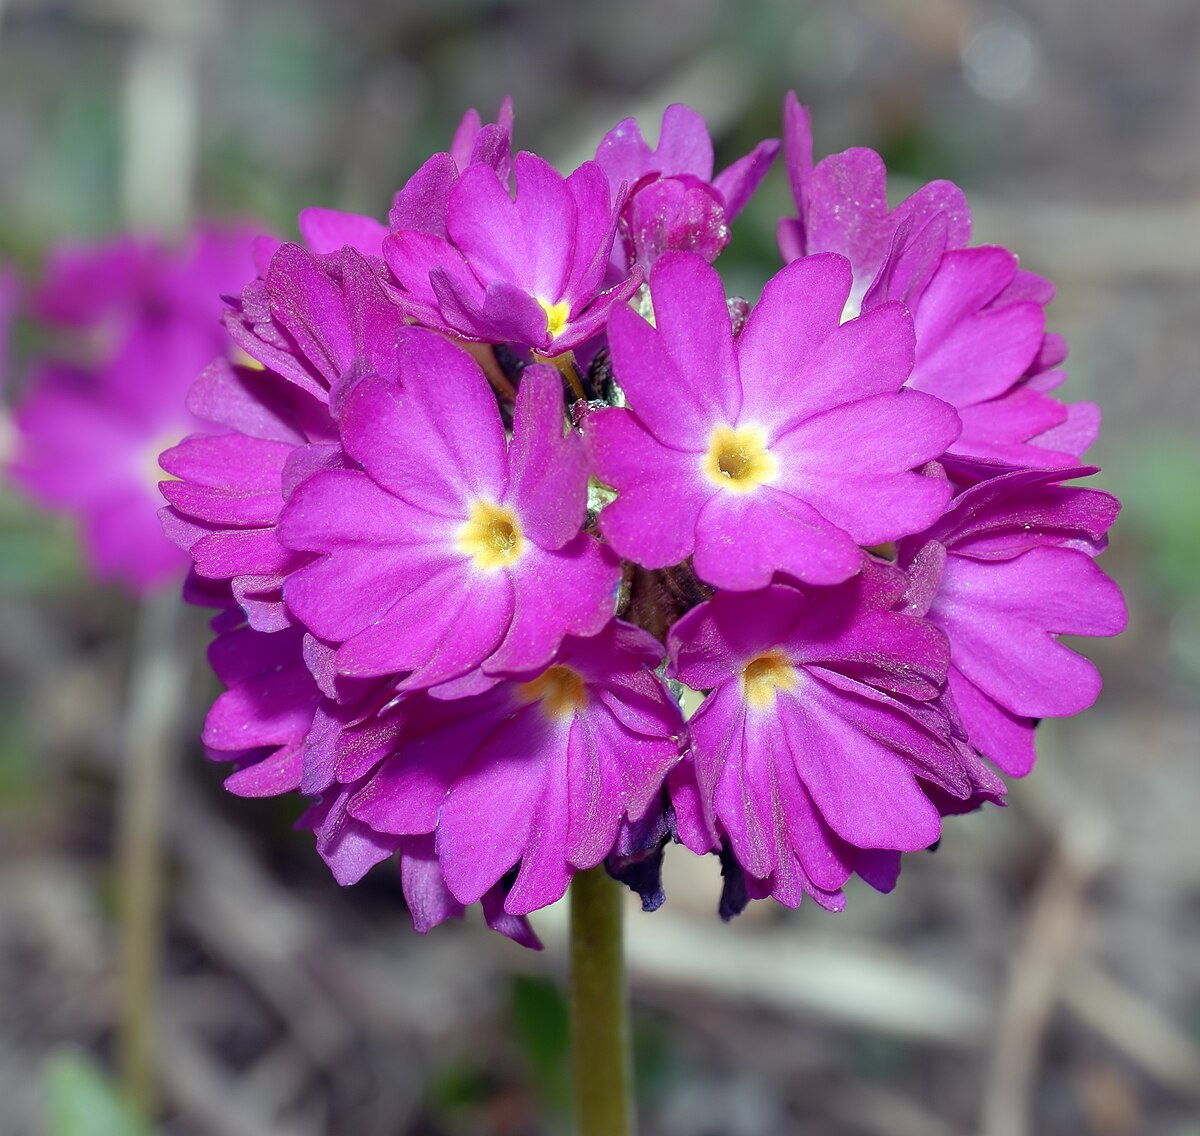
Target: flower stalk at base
(601, 1040)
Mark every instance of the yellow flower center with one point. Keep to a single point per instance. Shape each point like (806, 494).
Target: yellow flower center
(765, 674)
(491, 536)
(560, 690)
(738, 458)
(557, 316)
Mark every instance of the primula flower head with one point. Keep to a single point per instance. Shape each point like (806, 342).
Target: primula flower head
(461, 593)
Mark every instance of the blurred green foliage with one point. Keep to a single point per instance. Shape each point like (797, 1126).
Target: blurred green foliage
(1157, 477)
(81, 1100)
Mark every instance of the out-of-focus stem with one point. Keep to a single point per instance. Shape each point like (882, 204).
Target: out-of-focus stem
(566, 366)
(601, 1043)
(485, 355)
(156, 697)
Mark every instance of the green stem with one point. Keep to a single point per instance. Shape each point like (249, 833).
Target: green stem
(156, 698)
(601, 1049)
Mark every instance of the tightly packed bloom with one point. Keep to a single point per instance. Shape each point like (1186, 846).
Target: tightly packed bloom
(461, 592)
(133, 323)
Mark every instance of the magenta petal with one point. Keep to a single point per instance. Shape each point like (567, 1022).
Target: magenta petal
(593, 319)
(684, 147)
(485, 223)
(349, 847)
(695, 826)
(738, 183)
(274, 775)
(692, 319)
(1002, 617)
(1075, 435)
(439, 630)
(864, 790)
(1019, 510)
(1004, 738)
(827, 860)
(227, 478)
(981, 356)
(851, 463)
(432, 436)
(679, 377)
(548, 218)
(742, 541)
(800, 309)
(515, 927)
(743, 794)
(710, 644)
(491, 813)
(405, 795)
(310, 306)
(869, 355)
(254, 402)
(940, 198)
(239, 552)
(571, 591)
(548, 472)
(413, 256)
(429, 900)
(848, 210)
(545, 871)
(504, 313)
(329, 230)
(374, 544)
(646, 474)
(422, 203)
(798, 158)
(595, 229)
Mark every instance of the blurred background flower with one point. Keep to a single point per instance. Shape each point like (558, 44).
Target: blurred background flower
(1038, 973)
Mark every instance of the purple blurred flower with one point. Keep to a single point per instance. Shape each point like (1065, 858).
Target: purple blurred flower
(782, 451)
(318, 325)
(136, 321)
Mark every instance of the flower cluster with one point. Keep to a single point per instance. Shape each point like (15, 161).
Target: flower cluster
(507, 475)
(131, 323)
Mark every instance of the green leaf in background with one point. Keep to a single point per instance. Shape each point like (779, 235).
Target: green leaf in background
(542, 1029)
(39, 550)
(1158, 480)
(81, 1100)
